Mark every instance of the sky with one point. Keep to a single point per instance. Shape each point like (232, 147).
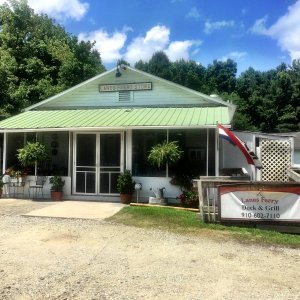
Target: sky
(257, 33)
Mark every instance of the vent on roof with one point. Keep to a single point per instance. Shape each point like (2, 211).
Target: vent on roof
(124, 96)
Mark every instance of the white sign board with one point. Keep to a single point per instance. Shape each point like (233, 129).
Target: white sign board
(279, 205)
(138, 86)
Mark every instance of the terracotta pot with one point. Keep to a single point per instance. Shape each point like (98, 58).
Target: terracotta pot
(56, 196)
(126, 198)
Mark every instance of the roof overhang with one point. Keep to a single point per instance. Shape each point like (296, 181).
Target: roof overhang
(117, 119)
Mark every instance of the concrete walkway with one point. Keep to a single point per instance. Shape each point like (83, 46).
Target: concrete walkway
(78, 209)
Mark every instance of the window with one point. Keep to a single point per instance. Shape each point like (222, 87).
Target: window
(193, 142)
(58, 145)
(142, 142)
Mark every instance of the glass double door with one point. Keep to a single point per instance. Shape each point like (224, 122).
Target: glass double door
(98, 162)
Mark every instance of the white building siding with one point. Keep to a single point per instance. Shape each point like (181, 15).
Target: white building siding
(162, 93)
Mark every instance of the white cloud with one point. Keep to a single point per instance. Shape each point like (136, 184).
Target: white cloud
(193, 13)
(158, 39)
(259, 26)
(210, 27)
(235, 55)
(60, 9)
(178, 50)
(108, 45)
(112, 46)
(286, 30)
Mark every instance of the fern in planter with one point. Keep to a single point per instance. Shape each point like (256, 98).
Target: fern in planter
(164, 153)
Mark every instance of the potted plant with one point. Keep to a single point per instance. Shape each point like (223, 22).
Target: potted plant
(57, 185)
(125, 186)
(166, 153)
(31, 154)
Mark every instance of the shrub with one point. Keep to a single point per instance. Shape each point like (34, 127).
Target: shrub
(189, 199)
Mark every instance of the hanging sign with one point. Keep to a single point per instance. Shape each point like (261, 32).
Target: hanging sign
(138, 86)
(280, 204)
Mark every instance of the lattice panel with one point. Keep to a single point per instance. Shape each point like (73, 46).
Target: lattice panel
(276, 156)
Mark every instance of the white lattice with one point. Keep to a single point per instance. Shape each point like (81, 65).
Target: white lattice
(276, 159)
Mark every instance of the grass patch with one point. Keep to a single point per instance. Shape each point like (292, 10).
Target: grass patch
(186, 222)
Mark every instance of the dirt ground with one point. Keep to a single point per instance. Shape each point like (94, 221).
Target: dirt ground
(48, 258)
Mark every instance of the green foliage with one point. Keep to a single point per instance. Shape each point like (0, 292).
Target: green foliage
(266, 101)
(159, 64)
(125, 183)
(38, 58)
(57, 183)
(164, 153)
(221, 76)
(189, 199)
(32, 153)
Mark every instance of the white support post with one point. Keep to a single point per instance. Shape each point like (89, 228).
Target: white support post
(207, 150)
(4, 167)
(128, 151)
(217, 152)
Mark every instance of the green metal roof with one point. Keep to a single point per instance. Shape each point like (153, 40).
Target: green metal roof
(118, 118)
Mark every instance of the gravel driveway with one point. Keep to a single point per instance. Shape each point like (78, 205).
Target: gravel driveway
(47, 258)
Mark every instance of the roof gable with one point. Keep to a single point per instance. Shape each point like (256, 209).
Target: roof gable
(163, 93)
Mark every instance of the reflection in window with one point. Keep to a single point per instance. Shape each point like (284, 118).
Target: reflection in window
(142, 142)
(193, 142)
(58, 146)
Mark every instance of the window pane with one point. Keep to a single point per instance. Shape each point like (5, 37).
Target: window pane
(110, 150)
(14, 141)
(58, 146)
(86, 150)
(91, 182)
(104, 183)
(142, 142)
(193, 162)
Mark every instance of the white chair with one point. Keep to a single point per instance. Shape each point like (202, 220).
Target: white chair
(37, 186)
(6, 185)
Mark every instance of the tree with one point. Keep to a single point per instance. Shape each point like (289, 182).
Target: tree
(158, 65)
(189, 74)
(266, 101)
(221, 76)
(38, 58)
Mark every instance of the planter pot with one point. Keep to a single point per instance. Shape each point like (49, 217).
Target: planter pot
(126, 198)
(56, 196)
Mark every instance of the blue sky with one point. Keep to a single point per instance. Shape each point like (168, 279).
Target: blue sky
(257, 33)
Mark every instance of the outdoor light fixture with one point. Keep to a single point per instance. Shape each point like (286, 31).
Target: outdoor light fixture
(118, 73)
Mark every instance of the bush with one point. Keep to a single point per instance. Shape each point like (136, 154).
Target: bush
(189, 199)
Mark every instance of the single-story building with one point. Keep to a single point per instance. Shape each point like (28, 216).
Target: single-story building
(109, 123)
